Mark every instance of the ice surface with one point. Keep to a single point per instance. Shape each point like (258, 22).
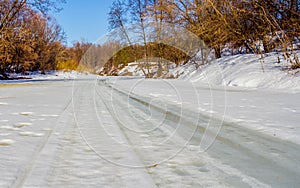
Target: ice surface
(275, 113)
(206, 131)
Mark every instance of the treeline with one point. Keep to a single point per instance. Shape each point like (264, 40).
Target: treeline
(136, 53)
(30, 39)
(251, 26)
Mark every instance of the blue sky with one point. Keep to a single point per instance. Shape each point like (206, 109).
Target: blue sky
(84, 19)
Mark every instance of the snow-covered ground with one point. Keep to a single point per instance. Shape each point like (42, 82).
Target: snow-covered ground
(243, 70)
(267, 111)
(50, 75)
(247, 70)
(226, 125)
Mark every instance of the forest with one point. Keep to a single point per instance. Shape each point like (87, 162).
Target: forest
(32, 40)
(240, 26)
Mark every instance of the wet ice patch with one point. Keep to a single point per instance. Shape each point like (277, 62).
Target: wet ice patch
(6, 142)
(24, 124)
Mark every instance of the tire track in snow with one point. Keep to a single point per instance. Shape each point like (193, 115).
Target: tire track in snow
(183, 171)
(26, 170)
(102, 143)
(265, 158)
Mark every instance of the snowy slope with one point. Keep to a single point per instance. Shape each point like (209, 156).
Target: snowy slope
(246, 70)
(50, 75)
(243, 70)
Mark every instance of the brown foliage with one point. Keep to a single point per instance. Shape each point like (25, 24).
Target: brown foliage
(272, 24)
(136, 53)
(29, 40)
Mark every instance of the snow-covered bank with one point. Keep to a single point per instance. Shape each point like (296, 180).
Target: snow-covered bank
(50, 76)
(246, 70)
(243, 70)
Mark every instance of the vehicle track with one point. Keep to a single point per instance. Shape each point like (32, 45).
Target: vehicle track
(26, 170)
(134, 142)
(268, 159)
(185, 133)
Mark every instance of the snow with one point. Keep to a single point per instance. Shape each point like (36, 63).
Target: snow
(248, 71)
(6, 142)
(242, 70)
(49, 76)
(277, 114)
(20, 125)
(243, 80)
(227, 125)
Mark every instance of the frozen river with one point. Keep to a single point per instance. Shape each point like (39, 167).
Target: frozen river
(110, 132)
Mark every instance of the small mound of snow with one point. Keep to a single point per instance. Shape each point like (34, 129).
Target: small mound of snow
(4, 134)
(9, 128)
(31, 134)
(20, 125)
(246, 70)
(6, 142)
(26, 113)
(49, 115)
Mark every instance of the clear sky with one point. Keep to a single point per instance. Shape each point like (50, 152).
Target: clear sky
(84, 19)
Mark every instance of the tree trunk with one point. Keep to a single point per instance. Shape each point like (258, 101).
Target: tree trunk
(266, 45)
(3, 74)
(217, 49)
